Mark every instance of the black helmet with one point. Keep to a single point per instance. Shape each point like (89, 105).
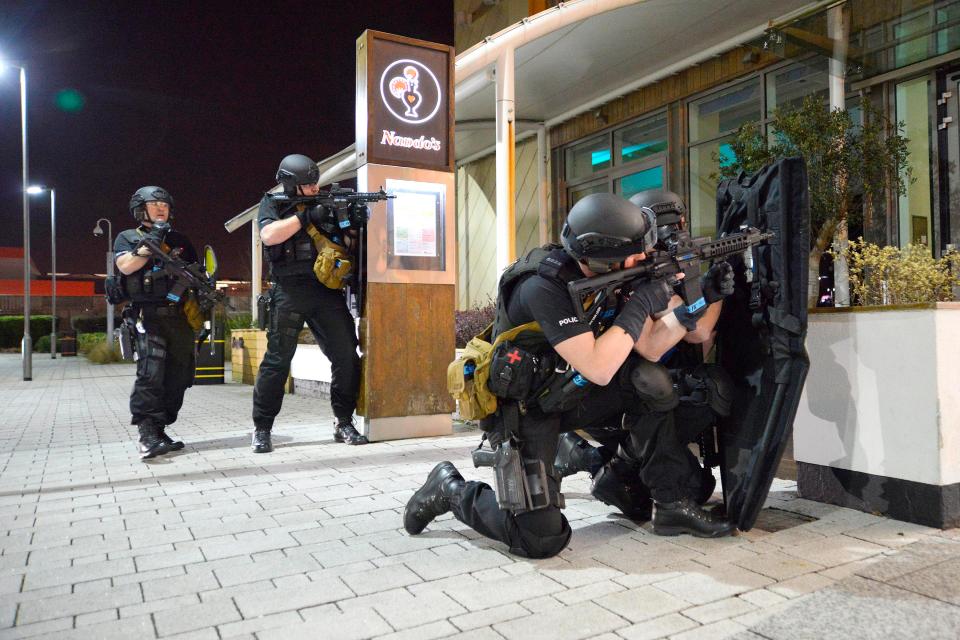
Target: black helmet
(143, 195)
(669, 211)
(297, 169)
(603, 229)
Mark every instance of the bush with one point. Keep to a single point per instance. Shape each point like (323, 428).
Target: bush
(470, 322)
(103, 353)
(42, 344)
(92, 324)
(11, 329)
(889, 275)
(86, 341)
(239, 321)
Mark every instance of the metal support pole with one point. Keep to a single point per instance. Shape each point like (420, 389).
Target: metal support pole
(26, 346)
(543, 208)
(53, 268)
(110, 263)
(838, 30)
(256, 270)
(506, 214)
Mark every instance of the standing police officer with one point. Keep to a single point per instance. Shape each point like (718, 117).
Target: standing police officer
(164, 338)
(297, 297)
(602, 233)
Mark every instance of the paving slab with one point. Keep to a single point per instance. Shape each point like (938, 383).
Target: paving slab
(217, 542)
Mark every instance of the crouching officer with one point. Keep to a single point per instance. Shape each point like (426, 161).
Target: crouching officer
(290, 232)
(164, 336)
(700, 393)
(588, 380)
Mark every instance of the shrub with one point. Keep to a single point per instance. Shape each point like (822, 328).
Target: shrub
(470, 322)
(42, 344)
(889, 275)
(92, 324)
(239, 321)
(103, 353)
(86, 341)
(11, 329)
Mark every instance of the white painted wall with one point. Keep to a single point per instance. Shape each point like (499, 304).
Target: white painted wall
(883, 394)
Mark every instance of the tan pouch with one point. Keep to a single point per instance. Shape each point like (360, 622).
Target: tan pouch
(469, 388)
(195, 317)
(333, 264)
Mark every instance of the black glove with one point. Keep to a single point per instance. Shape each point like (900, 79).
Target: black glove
(646, 298)
(717, 283)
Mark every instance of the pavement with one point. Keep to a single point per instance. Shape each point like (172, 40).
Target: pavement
(306, 542)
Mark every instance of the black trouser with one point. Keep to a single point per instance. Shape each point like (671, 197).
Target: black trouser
(545, 532)
(293, 302)
(166, 364)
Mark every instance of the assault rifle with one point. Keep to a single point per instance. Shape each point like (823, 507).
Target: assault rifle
(348, 208)
(685, 257)
(187, 276)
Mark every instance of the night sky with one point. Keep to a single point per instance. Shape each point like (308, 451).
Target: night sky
(201, 98)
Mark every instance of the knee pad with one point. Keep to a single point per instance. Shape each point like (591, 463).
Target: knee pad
(540, 534)
(654, 387)
(709, 385)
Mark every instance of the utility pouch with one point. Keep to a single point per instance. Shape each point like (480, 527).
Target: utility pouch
(333, 265)
(513, 372)
(563, 392)
(263, 311)
(195, 317)
(521, 484)
(116, 292)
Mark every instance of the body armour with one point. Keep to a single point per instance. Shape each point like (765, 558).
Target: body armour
(296, 255)
(150, 285)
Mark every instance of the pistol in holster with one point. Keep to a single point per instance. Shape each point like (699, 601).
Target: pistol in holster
(128, 336)
(264, 306)
(521, 484)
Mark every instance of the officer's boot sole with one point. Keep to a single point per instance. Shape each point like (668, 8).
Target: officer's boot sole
(678, 531)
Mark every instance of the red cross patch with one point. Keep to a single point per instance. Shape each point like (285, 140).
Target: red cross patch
(514, 356)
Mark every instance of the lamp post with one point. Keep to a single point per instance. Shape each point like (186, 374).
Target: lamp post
(34, 190)
(26, 347)
(98, 231)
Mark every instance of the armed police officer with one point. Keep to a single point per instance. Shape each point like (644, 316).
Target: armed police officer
(593, 375)
(290, 231)
(698, 393)
(164, 336)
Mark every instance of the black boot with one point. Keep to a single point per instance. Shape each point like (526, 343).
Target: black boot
(261, 441)
(151, 443)
(685, 516)
(344, 431)
(433, 498)
(172, 445)
(574, 454)
(618, 484)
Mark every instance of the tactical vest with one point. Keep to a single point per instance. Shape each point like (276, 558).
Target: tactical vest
(149, 285)
(549, 261)
(295, 255)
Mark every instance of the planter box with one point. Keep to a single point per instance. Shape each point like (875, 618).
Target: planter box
(878, 427)
(311, 372)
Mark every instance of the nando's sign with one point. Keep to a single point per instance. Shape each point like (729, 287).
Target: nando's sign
(404, 102)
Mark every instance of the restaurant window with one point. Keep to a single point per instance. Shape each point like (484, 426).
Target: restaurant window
(625, 160)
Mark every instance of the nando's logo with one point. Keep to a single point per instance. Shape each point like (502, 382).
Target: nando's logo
(410, 91)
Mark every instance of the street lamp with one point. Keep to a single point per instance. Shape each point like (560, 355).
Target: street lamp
(98, 231)
(26, 347)
(36, 190)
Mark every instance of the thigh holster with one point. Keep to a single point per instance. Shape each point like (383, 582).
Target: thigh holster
(288, 324)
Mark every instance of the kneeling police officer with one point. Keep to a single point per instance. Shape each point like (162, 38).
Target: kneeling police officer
(297, 296)
(603, 380)
(164, 336)
(698, 392)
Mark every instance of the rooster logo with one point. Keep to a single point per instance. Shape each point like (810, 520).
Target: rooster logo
(411, 84)
(404, 88)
